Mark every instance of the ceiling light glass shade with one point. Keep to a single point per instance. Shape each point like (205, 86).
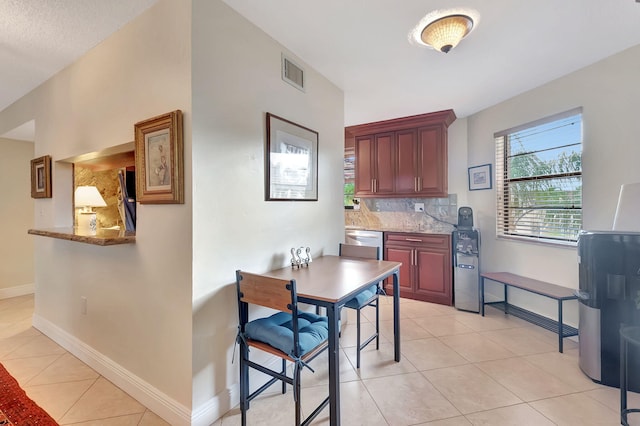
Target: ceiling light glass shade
(87, 197)
(442, 30)
(445, 33)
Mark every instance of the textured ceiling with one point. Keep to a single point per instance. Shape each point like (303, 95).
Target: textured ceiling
(360, 45)
(38, 38)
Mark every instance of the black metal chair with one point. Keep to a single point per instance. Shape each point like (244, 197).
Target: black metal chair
(293, 336)
(367, 297)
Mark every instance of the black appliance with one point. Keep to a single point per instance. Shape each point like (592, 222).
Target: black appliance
(466, 260)
(609, 298)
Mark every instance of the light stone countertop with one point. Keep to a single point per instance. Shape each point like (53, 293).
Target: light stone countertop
(103, 237)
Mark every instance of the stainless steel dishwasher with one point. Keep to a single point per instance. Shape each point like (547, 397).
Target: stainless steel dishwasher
(364, 237)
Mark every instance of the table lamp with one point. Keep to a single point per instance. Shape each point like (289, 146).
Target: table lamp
(627, 217)
(87, 197)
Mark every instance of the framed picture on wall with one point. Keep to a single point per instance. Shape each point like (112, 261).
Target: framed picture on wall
(159, 160)
(291, 161)
(480, 177)
(41, 177)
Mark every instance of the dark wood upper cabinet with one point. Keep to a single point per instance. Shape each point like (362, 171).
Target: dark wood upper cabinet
(403, 157)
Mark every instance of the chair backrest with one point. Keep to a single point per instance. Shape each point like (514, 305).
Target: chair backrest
(272, 293)
(362, 252)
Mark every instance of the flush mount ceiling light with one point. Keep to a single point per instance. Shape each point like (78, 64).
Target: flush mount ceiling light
(443, 29)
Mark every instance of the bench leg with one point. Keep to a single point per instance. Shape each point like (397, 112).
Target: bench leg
(560, 327)
(506, 301)
(482, 296)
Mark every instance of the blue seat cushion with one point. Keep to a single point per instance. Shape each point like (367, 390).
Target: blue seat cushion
(277, 331)
(362, 297)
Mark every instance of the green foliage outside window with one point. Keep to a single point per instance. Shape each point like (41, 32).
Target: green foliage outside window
(349, 190)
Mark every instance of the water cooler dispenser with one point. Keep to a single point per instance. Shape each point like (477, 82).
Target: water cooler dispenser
(466, 270)
(609, 298)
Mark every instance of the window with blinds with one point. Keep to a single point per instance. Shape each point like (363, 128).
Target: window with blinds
(539, 179)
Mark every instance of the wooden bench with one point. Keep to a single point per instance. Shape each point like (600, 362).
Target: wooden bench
(552, 291)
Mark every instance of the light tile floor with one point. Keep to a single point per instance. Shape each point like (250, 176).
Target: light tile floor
(457, 368)
(70, 391)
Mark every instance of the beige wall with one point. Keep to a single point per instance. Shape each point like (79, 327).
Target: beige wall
(609, 93)
(162, 313)
(236, 81)
(16, 217)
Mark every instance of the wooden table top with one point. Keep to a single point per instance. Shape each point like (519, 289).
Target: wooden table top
(335, 278)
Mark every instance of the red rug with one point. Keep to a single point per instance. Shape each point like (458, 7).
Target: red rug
(16, 408)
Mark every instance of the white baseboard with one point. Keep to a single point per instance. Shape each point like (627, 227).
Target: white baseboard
(219, 405)
(166, 407)
(216, 407)
(157, 401)
(19, 290)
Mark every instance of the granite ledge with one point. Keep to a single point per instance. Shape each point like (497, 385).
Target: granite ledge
(104, 237)
(397, 230)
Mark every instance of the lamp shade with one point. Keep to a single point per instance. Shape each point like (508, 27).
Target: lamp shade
(88, 196)
(627, 217)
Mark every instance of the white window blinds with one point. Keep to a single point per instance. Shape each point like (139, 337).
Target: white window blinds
(539, 179)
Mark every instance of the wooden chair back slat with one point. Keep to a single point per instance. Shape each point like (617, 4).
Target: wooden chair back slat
(265, 291)
(362, 252)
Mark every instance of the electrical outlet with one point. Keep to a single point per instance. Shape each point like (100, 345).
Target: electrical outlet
(83, 305)
(419, 207)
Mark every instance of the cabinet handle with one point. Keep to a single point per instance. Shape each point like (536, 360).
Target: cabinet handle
(415, 240)
(415, 184)
(419, 184)
(375, 185)
(372, 185)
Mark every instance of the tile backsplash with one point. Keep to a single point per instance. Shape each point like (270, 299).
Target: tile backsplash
(398, 214)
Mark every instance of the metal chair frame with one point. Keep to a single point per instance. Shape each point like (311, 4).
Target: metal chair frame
(280, 295)
(364, 252)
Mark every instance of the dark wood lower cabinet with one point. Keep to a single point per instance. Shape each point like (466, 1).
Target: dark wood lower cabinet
(425, 273)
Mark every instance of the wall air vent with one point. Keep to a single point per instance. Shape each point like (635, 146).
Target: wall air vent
(292, 73)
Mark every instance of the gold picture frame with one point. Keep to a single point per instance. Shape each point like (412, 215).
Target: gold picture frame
(159, 160)
(41, 177)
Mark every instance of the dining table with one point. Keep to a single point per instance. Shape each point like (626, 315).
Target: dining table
(329, 282)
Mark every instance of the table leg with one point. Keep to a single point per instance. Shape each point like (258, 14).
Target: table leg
(396, 315)
(560, 327)
(334, 366)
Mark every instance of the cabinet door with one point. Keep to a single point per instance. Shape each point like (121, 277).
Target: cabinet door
(433, 278)
(384, 158)
(364, 165)
(404, 255)
(432, 155)
(406, 162)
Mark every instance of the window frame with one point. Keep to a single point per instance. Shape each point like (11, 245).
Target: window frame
(503, 180)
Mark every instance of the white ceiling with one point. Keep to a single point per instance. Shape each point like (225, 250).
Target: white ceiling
(360, 45)
(38, 38)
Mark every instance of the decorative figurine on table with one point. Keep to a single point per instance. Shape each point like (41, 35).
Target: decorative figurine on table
(300, 257)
